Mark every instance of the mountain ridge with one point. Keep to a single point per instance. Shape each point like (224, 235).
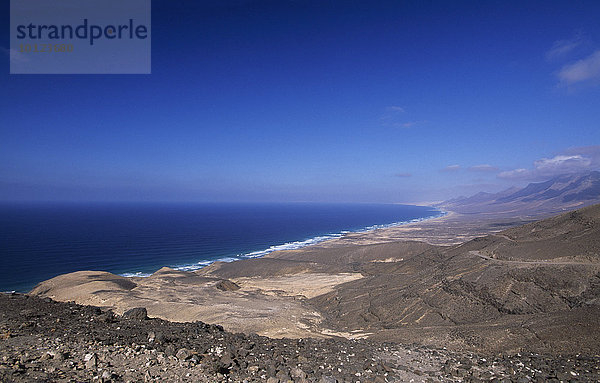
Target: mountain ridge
(560, 193)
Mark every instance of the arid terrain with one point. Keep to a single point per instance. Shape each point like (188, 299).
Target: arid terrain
(466, 285)
(531, 286)
(49, 341)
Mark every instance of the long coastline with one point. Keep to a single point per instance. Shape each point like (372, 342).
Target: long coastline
(368, 235)
(354, 287)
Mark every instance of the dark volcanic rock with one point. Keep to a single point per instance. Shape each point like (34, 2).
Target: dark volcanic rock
(138, 313)
(226, 285)
(67, 344)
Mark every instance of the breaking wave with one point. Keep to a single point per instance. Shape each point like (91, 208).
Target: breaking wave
(294, 245)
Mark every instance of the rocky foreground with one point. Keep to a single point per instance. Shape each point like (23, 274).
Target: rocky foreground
(44, 340)
(481, 302)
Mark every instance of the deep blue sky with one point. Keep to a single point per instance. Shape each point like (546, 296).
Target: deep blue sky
(363, 101)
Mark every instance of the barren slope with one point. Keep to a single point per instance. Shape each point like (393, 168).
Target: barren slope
(547, 299)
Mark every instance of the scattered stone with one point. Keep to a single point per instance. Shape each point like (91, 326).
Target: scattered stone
(91, 361)
(227, 285)
(107, 317)
(297, 373)
(78, 349)
(183, 354)
(138, 313)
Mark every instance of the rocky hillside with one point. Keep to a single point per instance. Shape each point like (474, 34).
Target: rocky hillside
(558, 194)
(43, 340)
(533, 287)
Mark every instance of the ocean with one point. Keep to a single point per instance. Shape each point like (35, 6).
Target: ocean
(41, 241)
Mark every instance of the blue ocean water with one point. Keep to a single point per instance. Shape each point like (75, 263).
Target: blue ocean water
(40, 241)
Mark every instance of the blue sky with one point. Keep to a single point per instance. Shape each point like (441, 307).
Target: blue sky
(325, 101)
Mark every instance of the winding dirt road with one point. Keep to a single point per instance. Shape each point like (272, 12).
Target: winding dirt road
(536, 263)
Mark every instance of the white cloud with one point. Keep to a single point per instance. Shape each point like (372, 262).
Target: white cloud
(587, 69)
(483, 168)
(592, 152)
(396, 109)
(562, 163)
(515, 174)
(393, 118)
(573, 160)
(561, 48)
(451, 168)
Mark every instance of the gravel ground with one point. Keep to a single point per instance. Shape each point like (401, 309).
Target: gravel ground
(43, 340)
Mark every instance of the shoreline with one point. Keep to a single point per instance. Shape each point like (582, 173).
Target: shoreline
(448, 229)
(374, 232)
(199, 247)
(316, 241)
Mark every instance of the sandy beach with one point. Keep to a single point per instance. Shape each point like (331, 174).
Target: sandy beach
(450, 229)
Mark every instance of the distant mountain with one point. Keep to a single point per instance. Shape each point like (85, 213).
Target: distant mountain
(561, 193)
